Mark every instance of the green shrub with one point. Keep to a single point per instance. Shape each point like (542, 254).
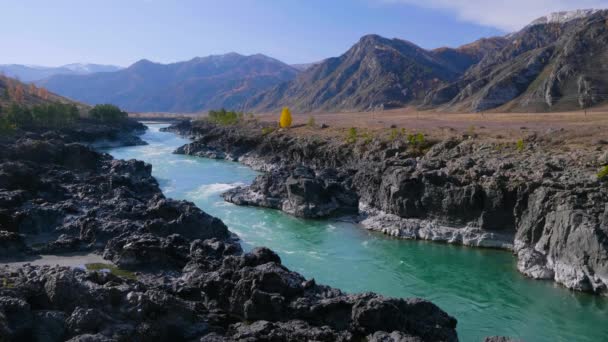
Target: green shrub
(267, 130)
(416, 140)
(367, 138)
(603, 173)
(411, 139)
(107, 113)
(311, 122)
(520, 145)
(393, 135)
(97, 266)
(224, 117)
(420, 139)
(351, 136)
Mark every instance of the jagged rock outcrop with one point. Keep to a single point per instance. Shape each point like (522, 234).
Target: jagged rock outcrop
(546, 205)
(68, 191)
(11, 244)
(300, 192)
(210, 301)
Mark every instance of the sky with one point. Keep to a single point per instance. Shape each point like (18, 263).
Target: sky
(121, 32)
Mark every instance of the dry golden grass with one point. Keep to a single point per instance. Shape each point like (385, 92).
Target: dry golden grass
(574, 128)
(571, 126)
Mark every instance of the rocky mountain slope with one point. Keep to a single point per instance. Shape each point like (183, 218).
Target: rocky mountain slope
(29, 73)
(303, 66)
(555, 63)
(545, 204)
(558, 62)
(375, 73)
(198, 84)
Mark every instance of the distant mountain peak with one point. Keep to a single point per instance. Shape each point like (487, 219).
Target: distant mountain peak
(221, 56)
(230, 56)
(86, 68)
(143, 64)
(143, 61)
(371, 38)
(563, 16)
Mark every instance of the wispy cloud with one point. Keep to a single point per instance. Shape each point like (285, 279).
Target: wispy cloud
(507, 15)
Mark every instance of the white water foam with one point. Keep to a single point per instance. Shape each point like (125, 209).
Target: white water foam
(182, 161)
(208, 190)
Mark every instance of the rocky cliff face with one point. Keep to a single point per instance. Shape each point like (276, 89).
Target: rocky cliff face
(546, 206)
(193, 281)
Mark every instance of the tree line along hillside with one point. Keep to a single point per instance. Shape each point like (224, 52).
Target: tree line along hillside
(14, 91)
(54, 115)
(25, 106)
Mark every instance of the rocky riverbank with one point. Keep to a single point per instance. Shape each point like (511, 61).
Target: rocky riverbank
(541, 199)
(183, 275)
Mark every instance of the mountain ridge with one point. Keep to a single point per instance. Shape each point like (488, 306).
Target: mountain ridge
(554, 63)
(387, 73)
(33, 73)
(200, 83)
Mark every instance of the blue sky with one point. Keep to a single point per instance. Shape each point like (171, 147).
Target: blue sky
(58, 32)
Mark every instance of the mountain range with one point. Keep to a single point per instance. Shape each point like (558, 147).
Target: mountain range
(29, 73)
(557, 62)
(375, 73)
(201, 83)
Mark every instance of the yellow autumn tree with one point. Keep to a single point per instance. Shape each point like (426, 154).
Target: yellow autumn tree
(285, 120)
(43, 93)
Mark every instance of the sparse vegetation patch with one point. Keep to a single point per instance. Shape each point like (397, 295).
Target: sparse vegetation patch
(603, 174)
(224, 117)
(351, 136)
(98, 266)
(520, 145)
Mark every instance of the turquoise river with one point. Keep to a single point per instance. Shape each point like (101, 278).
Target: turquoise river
(480, 287)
